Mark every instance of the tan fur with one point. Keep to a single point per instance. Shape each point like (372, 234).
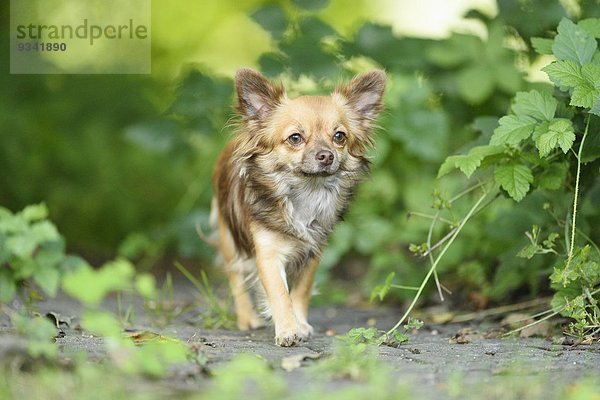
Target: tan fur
(280, 186)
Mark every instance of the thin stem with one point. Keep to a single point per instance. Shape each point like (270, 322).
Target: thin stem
(437, 260)
(576, 194)
(467, 190)
(501, 310)
(429, 236)
(428, 216)
(403, 287)
(554, 313)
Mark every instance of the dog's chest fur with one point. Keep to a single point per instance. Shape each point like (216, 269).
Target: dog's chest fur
(312, 208)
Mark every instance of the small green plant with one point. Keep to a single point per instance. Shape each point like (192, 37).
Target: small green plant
(244, 375)
(31, 252)
(577, 285)
(218, 314)
(374, 336)
(150, 354)
(355, 361)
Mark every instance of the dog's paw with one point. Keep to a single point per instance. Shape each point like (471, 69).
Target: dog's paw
(306, 330)
(288, 338)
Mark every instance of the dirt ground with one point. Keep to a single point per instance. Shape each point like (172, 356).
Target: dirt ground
(434, 361)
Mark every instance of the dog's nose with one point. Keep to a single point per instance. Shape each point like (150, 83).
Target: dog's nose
(324, 157)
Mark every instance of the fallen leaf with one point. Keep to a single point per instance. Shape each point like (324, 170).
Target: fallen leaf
(293, 362)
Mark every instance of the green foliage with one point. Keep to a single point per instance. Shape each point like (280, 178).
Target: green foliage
(246, 373)
(31, 250)
(90, 286)
(537, 140)
(577, 285)
(355, 361)
(218, 314)
(574, 48)
(483, 66)
(374, 336)
(40, 334)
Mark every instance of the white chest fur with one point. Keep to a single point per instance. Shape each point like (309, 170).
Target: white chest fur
(312, 207)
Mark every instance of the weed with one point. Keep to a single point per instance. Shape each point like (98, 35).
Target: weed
(355, 361)
(218, 314)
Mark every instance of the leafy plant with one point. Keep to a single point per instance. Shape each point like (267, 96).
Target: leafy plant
(355, 361)
(374, 336)
(534, 147)
(31, 251)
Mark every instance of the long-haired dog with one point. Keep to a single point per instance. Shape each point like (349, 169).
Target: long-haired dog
(280, 186)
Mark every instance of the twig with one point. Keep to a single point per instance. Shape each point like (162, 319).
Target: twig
(500, 310)
(576, 194)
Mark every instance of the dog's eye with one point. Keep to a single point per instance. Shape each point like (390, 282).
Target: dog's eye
(295, 139)
(339, 138)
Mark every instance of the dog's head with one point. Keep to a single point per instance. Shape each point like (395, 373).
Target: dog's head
(308, 135)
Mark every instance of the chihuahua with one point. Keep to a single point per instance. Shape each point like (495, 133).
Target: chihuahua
(280, 186)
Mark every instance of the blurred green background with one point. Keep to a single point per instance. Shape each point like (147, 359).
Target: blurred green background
(124, 161)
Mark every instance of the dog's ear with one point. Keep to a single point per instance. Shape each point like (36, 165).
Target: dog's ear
(257, 96)
(364, 93)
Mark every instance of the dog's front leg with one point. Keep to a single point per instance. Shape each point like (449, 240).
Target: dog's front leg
(271, 255)
(301, 294)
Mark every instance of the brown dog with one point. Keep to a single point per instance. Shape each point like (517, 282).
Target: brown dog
(281, 185)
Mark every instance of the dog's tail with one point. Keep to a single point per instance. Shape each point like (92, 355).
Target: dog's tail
(210, 239)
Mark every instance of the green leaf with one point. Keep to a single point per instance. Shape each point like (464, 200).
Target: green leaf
(585, 81)
(591, 25)
(475, 84)
(595, 108)
(90, 286)
(399, 338)
(565, 73)
(44, 231)
(8, 286)
(272, 19)
(542, 45)
(560, 133)
(534, 104)
(462, 162)
(381, 290)
(573, 43)
(101, 323)
(553, 176)
(515, 179)
(34, 212)
(363, 335)
(513, 129)
(470, 162)
(155, 358)
(48, 279)
(311, 4)
(529, 251)
(40, 332)
(21, 246)
(145, 284)
(583, 95)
